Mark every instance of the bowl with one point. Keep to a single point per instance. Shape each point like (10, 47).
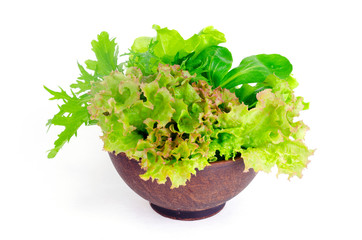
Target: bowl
(204, 195)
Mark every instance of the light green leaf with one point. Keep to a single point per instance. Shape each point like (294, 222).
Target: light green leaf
(106, 51)
(291, 157)
(141, 44)
(209, 36)
(72, 114)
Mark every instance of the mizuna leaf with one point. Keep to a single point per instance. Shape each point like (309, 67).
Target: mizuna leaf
(106, 51)
(84, 82)
(72, 114)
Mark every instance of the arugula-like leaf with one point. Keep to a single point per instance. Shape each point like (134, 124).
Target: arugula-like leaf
(73, 113)
(256, 68)
(106, 51)
(84, 82)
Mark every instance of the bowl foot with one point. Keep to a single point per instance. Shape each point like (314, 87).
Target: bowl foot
(187, 215)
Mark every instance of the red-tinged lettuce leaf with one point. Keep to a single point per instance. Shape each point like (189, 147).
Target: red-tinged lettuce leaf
(159, 100)
(164, 120)
(176, 127)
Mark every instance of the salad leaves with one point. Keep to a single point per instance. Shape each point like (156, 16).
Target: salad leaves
(170, 130)
(178, 105)
(169, 47)
(73, 112)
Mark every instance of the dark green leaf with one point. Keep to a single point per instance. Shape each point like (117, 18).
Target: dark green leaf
(256, 68)
(212, 63)
(247, 94)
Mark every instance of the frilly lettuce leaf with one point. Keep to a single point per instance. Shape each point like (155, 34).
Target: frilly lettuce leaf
(165, 121)
(291, 157)
(267, 133)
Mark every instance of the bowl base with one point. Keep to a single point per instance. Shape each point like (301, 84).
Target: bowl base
(187, 215)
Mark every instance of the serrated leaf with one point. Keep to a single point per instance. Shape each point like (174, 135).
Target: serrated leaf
(72, 114)
(106, 51)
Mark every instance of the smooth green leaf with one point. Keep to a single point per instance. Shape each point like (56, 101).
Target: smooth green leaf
(141, 44)
(212, 63)
(255, 69)
(169, 43)
(247, 94)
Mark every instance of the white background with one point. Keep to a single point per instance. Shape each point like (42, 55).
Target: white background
(78, 195)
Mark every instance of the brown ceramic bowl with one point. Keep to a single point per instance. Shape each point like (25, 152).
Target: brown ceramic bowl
(203, 196)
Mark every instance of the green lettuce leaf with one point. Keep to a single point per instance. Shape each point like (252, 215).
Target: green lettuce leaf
(169, 47)
(208, 37)
(290, 157)
(141, 44)
(270, 135)
(170, 42)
